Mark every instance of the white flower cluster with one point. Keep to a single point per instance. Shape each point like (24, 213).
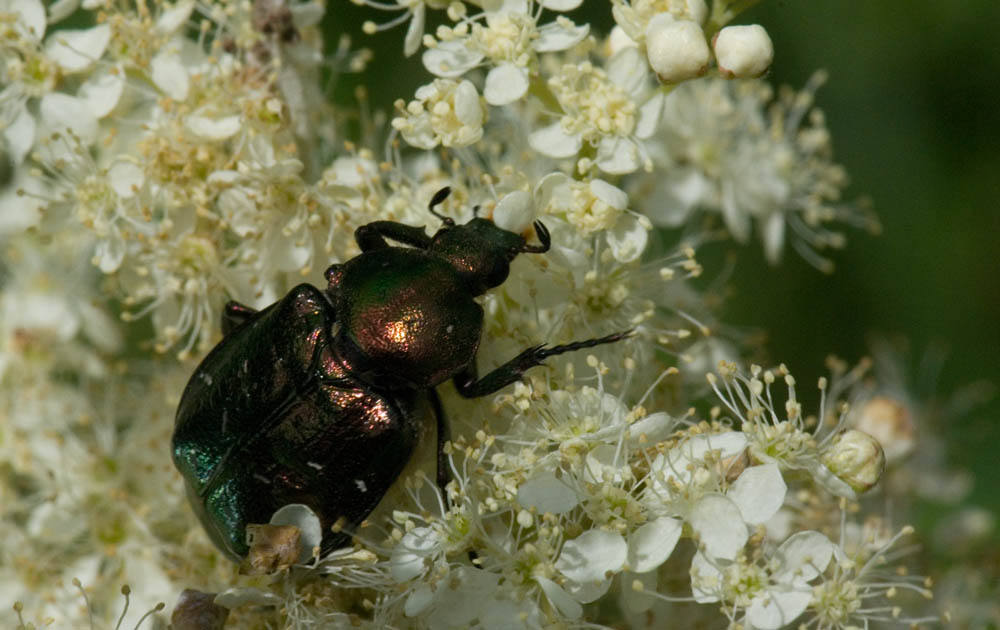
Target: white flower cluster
(169, 156)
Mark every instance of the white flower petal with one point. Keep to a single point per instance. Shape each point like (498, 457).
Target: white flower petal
(505, 84)
(213, 129)
(588, 591)
(514, 212)
(651, 545)
(737, 220)
(803, 556)
(170, 75)
(77, 50)
(30, 16)
(556, 36)
(450, 59)
(654, 427)
(627, 239)
(609, 194)
(561, 5)
(618, 155)
(310, 528)
(415, 31)
(20, 136)
(110, 252)
(554, 142)
(174, 17)
(62, 9)
(759, 492)
(418, 600)
(773, 236)
(603, 463)
(650, 115)
(408, 556)
(60, 112)
(591, 555)
(629, 70)
(458, 598)
(706, 580)
(125, 178)
(547, 187)
(102, 90)
(675, 194)
(775, 609)
(569, 607)
(506, 614)
(547, 493)
(719, 526)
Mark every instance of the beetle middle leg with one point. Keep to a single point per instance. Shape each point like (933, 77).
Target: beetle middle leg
(235, 315)
(470, 386)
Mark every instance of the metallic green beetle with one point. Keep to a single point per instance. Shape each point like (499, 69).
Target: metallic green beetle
(320, 398)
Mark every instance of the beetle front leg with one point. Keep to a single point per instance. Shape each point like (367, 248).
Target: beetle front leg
(470, 386)
(235, 315)
(371, 236)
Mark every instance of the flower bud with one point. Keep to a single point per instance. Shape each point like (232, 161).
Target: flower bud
(856, 458)
(676, 48)
(890, 422)
(743, 51)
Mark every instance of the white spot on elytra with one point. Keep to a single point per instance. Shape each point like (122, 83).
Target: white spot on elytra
(205, 377)
(261, 478)
(450, 328)
(314, 465)
(362, 486)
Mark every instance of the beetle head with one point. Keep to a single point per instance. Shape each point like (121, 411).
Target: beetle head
(481, 251)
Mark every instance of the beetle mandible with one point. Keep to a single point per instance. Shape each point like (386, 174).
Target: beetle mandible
(319, 398)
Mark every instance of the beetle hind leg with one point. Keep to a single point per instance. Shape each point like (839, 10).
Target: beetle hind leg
(235, 315)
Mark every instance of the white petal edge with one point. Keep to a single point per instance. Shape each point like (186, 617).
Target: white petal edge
(546, 493)
(775, 609)
(759, 492)
(554, 142)
(77, 50)
(505, 84)
(569, 607)
(591, 555)
(102, 90)
(719, 526)
(803, 556)
(650, 545)
(554, 37)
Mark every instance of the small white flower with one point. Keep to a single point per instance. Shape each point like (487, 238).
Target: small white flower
(773, 595)
(77, 50)
(445, 112)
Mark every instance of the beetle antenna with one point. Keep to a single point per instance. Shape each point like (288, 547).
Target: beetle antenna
(436, 200)
(543, 236)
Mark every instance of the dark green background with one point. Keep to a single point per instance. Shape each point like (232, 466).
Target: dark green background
(912, 105)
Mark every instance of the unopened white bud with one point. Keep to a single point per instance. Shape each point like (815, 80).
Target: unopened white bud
(856, 458)
(676, 48)
(743, 51)
(890, 422)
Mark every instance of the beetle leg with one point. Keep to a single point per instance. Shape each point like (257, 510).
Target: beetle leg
(235, 315)
(371, 236)
(470, 386)
(443, 435)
